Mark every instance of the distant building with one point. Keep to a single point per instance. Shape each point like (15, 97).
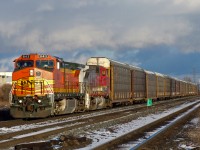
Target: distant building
(5, 77)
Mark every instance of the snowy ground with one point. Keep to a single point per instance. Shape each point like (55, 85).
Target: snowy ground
(105, 135)
(4, 130)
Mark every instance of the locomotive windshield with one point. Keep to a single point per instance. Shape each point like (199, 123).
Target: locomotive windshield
(24, 64)
(45, 64)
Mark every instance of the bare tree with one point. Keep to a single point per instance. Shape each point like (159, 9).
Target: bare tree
(4, 92)
(188, 79)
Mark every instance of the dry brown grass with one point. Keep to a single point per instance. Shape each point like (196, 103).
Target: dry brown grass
(4, 104)
(4, 94)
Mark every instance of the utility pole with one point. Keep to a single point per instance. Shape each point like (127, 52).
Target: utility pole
(194, 75)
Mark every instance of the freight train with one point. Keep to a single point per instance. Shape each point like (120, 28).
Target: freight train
(45, 85)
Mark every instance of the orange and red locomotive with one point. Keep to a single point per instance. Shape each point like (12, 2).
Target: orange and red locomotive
(44, 85)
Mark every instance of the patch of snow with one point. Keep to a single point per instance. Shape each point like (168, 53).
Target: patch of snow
(179, 139)
(195, 121)
(187, 147)
(55, 147)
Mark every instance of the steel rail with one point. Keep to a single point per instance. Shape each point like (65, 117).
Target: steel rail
(167, 127)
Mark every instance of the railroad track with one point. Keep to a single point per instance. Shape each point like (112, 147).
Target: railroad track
(163, 130)
(153, 131)
(14, 122)
(72, 124)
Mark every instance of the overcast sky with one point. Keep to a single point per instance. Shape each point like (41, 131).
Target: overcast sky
(157, 35)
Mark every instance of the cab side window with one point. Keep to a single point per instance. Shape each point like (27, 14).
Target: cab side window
(45, 64)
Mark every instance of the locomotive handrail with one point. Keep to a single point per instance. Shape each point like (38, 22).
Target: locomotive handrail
(49, 87)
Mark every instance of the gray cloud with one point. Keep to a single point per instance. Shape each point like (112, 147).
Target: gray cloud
(6, 64)
(91, 24)
(74, 25)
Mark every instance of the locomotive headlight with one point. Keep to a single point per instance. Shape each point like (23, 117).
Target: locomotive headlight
(20, 101)
(39, 101)
(31, 72)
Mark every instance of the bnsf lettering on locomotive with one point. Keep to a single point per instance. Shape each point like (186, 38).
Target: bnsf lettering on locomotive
(30, 82)
(26, 83)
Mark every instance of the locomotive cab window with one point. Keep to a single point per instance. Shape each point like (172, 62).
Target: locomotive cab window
(45, 64)
(23, 64)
